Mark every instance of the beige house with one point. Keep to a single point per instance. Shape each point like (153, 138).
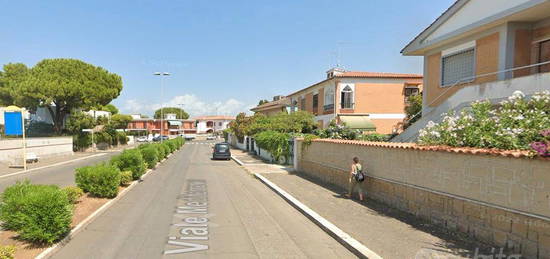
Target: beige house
(481, 49)
(278, 105)
(363, 100)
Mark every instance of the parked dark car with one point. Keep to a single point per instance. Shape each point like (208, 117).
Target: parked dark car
(221, 151)
(157, 138)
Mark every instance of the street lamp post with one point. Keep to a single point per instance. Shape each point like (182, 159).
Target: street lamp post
(161, 74)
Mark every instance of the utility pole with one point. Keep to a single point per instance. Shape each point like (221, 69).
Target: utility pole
(161, 74)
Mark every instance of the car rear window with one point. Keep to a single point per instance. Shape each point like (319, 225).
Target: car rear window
(222, 148)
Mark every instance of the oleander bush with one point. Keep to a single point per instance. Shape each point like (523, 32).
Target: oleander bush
(38, 213)
(130, 160)
(73, 193)
(101, 180)
(513, 124)
(7, 252)
(150, 155)
(126, 178)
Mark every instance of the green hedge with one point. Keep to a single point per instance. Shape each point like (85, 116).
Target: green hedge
(73, 193)
(38, 213)
(126, 178)
(150, 155)
(130, 160)
(160, 150)
(101, 180)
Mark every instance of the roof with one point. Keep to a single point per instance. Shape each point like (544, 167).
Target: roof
(273, 104)
(214, 117)
(487, 16)
(464, 150)
(362, 74)
(447, 13)
(361, 122)
(378, 75)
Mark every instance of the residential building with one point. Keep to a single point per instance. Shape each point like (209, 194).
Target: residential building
(278, 105)
(481, 49)
(170, 126)
(212, 124)
(363, 100)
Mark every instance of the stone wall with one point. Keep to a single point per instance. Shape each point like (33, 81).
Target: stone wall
(11, 150)
(504, 201)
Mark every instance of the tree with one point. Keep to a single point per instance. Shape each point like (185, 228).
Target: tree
(9, 78)
(110, 108)
(62, 85)
(120, 121)
(180, 113)
(413, 109)
(262, 102)
(79, 121)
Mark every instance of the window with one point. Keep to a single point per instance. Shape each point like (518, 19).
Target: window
(347, 98)
(303, 104)
(219, 124)
(315, 101)
(458, 67)
(544, 56)
(294, 106)
(329, 96)
(410, 91)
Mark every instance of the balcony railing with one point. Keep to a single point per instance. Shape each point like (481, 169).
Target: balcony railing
(347, 105)
(328, 107)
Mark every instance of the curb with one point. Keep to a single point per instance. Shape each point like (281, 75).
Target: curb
(342, 237)
(78, 228)
(237, 160)
(52, 165)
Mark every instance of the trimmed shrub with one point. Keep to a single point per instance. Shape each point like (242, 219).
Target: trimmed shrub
(166, 149)
(100, 180)
(122, 138)
(171, 145)
(73, 193)
(161, 152)
(150, 155)
(7, 252)
(130, 160)
(39, 213)
(126, 178)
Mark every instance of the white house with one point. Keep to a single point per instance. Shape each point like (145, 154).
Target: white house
(211, 124)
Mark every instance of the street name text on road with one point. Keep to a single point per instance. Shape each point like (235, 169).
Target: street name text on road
(194, 225)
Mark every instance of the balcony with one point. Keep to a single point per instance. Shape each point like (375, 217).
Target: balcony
(349, 106)
(328, 107)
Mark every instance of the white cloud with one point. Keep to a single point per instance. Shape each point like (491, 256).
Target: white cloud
(192, 105)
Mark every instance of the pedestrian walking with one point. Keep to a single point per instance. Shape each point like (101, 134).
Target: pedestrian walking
(356, 176)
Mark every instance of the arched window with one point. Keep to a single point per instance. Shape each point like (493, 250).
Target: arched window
(346, 100)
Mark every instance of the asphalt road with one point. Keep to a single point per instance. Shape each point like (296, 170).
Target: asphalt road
(192, 207)
(62, 175)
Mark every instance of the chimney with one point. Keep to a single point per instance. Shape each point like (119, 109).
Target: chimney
(277, 97)
(334, 72)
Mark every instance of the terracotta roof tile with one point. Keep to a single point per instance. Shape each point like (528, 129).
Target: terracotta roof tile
(378, 75)
(414, 146)
(215, 117)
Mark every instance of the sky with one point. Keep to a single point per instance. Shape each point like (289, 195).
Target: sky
(223, 56)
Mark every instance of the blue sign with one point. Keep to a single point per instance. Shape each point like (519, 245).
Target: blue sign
(13, 123)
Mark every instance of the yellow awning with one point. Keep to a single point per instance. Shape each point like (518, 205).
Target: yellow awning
(360, 122)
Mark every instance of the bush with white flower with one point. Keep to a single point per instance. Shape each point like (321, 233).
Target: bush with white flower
(512, 124)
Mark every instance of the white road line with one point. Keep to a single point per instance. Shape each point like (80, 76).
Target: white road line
(344, 238)
(52, 165)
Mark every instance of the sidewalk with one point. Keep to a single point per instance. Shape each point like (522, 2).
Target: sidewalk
(388, 232)
(6, 169)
